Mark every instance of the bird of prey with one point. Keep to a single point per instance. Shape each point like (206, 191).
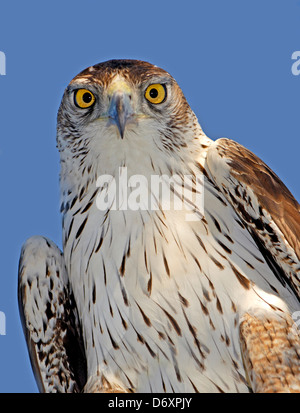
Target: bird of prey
(154, 297)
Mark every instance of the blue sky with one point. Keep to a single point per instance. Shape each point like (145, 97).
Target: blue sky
(231, 58)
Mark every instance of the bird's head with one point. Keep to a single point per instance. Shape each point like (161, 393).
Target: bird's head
(126, 110)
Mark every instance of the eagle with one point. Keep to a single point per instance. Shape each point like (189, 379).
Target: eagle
(151, 294)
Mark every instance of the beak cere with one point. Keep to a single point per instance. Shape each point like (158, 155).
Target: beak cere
(120, 110)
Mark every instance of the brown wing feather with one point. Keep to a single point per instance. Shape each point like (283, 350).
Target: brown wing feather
(269, 189)
(49, 318)
(264, 203)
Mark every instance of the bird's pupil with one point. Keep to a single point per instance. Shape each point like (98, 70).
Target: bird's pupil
(87, 97)
(153, 93)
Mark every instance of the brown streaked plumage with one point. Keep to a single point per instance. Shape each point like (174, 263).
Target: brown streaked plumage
(249, 173)
(134, 71)
(57, 345)
(271, 352)
(162, 302)
(271, 193)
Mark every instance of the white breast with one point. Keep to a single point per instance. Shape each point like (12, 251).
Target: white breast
(160, 297)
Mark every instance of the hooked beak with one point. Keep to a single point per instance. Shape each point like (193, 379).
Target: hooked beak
(120, 110)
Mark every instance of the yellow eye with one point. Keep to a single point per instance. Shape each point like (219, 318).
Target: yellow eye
(84, 98)
(156, 93)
